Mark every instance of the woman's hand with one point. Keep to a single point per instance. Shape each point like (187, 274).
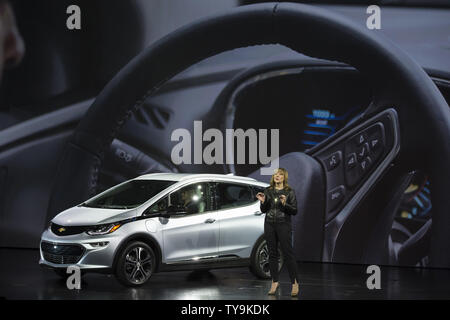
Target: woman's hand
(261, 197)
(283, 199)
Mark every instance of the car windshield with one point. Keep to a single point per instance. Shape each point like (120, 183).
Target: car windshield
(128, 195)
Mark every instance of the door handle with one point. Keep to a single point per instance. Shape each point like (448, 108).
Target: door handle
(258, 213)
(210, 220)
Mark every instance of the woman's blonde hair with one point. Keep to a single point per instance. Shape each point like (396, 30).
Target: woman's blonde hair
(285, 180)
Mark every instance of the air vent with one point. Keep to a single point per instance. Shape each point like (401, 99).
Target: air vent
(62, 253)
(150, 114)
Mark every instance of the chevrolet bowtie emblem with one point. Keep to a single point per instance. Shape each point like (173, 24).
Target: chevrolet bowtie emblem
(61, 230)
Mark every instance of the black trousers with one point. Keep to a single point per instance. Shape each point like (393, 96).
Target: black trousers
(280, 234)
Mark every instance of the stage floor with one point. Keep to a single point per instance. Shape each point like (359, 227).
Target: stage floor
(22, 278)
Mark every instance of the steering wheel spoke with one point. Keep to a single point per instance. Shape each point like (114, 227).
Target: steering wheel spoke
(352, 161)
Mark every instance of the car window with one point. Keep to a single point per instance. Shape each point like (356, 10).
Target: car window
(193, 198)
(229, 195)
(129, 194)
(159, 206)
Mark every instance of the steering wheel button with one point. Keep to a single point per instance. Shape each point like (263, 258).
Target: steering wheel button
(362, 151)
(333, 161)
(351, 161)
(361, 138)
(335, 197)
(365, 164)
(374, 143)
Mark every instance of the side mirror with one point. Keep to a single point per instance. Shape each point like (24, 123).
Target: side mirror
(164, 214)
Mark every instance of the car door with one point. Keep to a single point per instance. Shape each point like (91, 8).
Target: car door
(240, 219)
(195, 235)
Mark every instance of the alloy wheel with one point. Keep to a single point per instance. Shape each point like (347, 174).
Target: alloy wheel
(138, 265)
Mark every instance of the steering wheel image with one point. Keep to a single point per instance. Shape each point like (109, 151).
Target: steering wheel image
(370, 158)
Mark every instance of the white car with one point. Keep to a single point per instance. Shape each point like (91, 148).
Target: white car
(161, 222)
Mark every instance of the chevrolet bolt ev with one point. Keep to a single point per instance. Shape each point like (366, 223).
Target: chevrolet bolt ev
(161, 221)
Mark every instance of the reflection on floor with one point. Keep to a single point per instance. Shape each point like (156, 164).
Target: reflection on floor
(22, 278)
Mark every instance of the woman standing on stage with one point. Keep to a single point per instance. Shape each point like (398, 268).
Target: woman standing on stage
(279, 203)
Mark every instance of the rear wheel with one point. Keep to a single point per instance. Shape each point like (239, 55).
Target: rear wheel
(260, 260)
(136, 264)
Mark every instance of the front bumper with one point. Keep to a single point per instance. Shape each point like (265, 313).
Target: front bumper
(87, 252)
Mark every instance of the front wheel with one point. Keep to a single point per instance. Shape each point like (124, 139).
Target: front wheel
(136, 264)
(260, 260)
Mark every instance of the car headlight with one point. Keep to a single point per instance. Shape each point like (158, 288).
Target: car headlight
(103, 229)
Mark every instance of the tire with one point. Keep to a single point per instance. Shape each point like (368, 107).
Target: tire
(135, 264)
(259, 261)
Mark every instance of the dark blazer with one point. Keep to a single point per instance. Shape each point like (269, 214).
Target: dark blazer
(273, 208)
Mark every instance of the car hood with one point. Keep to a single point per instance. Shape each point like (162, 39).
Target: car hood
(84, 216)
